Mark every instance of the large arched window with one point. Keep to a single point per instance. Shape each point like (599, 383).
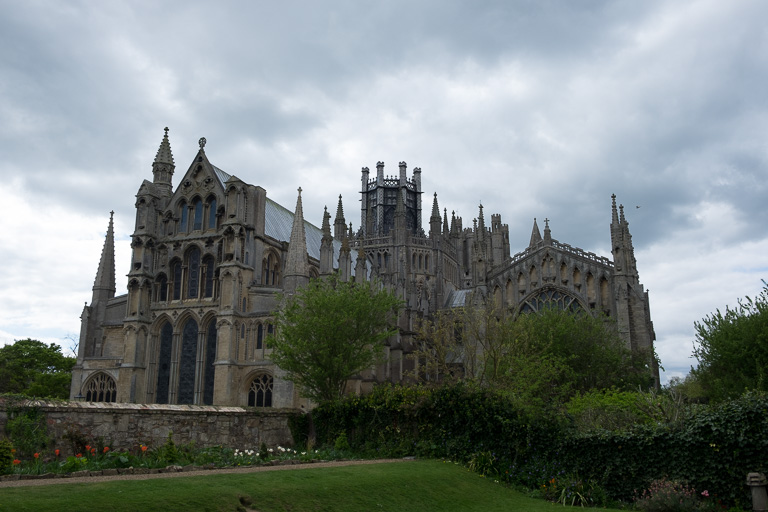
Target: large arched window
(271, 270)
(193, 266)
(260, 391)
(551, 298)
(187, 362)
(100, 388)
(164, 364)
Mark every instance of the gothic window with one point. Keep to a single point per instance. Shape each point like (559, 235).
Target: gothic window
(101, 388)
(210, 358)
(211, 213)
(197, 206)
(550, 298)
(271, 270)
(260, 391)
(162, 288)
(591, 290)
(176, 273)
(426, 263)
(209, 270)
(187, 362)
(193, 265)
(259, 337)
(184, 217)
(164, 364)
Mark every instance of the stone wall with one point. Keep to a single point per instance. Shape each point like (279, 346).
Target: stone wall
(128, 425)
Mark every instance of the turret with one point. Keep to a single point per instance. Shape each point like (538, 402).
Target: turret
(163, 167)
(339, 223)
(297, 261)
(434, 219)
(326, 245)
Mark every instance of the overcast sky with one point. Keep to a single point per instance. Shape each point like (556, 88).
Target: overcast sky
(534, 108)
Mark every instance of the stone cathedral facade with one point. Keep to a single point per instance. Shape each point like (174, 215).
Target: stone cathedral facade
(212, 254)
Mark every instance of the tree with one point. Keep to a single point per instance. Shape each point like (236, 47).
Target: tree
(732, 349)
(33, 368)
(539, 359)
(331, 330)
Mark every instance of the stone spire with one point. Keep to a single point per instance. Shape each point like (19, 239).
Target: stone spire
(623, 249)
(326, 245)
(434, 220)
(163, 166)
(104, 284)
(446, 227)
(297, 261)
(535, 234)
(481, 223)
(339, 223)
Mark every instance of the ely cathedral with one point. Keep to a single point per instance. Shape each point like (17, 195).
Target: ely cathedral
(212, 255)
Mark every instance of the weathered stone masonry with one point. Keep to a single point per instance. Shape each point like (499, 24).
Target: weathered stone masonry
(126, 426)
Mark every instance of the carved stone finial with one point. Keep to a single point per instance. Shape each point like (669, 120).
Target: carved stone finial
(299, 190)
(202, 142)
(546, 223)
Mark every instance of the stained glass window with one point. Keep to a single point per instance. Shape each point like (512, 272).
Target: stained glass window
(164, 364)
(210, 358)
(187, 362)
(550, 298)
(197, 206)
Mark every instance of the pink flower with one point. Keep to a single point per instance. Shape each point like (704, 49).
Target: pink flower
(705, 493)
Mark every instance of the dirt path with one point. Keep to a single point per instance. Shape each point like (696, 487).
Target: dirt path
(182, 474)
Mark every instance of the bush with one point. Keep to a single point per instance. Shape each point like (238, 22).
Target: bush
(668, 496)
(6, 456)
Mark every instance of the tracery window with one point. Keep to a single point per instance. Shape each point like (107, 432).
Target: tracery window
(187, 362)
(260, 391)
(551, 298)
(162, 288)
(101, 388)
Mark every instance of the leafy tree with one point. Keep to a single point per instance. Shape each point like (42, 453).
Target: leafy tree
(732, 349)
(540, 360)
(33, 368)
(331, 330)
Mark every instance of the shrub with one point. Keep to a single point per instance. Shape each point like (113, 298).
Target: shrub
(668, 496)
(6, 455)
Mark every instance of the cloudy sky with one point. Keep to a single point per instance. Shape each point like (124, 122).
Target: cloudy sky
(534, 108)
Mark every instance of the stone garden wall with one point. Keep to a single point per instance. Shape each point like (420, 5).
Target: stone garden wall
(120, 425)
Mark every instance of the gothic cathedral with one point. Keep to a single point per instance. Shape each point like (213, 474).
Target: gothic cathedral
(211, 257)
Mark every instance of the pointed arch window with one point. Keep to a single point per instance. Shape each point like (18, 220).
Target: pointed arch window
(197, 207)
(187, 362)
(162, 288)
(211, 213)
(260, 391)
(184, 217)
(101, 388)
(176, 273)
(551, 298)
(164, 364)
(259, 337)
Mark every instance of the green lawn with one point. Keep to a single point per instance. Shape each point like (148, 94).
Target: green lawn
(401, 486)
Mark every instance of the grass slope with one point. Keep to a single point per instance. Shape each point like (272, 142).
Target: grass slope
(403, 486)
